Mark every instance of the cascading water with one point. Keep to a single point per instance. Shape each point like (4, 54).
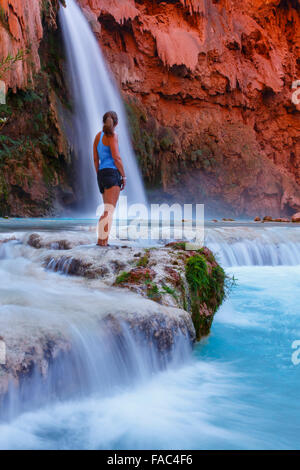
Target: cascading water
(94, 92)
(255, 246)
(97, 340)
(239, 388)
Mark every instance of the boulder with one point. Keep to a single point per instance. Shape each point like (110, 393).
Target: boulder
(281, 219)
(141, 274)
(296, 217)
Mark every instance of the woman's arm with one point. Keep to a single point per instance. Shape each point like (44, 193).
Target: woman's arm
(96, 156)
(114, 147)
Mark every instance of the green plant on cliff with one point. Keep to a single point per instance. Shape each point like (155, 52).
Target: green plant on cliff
(202, 159)
(166, 139)
(7, 62)
(49, 11)
(146, 141)
(30, 141)
(143, 142)
(151, 141)
(31, 121)
(206, 288)
(14, 148)
(3, 195)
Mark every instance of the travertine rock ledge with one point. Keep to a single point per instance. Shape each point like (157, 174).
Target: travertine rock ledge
(155, 295)
(169, 275)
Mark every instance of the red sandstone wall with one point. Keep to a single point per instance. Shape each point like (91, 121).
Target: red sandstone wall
(20, 28)
(219, 72)
(34, 151)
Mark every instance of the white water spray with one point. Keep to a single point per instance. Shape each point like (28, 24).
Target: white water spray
(109, 339)
(118, 391)
(255, 246)
(94, 93)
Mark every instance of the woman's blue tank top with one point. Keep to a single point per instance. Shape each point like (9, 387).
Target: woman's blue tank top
(105, 155)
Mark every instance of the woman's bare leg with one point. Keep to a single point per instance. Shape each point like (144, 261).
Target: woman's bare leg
(110, 199)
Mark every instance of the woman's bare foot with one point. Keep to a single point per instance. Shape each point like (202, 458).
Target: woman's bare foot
(102, 243)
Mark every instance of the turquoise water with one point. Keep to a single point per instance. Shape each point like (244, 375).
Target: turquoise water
(238, 389)
(254, 332)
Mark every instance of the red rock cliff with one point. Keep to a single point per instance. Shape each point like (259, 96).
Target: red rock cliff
(210, 88)
(21, 29)
(208, 85)
(34, 154)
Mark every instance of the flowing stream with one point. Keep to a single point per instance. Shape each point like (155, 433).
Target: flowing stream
(112, 388)
(237, 389)
(94, 92)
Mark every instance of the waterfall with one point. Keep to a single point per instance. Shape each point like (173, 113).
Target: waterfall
(85, 340)
(97, 361)
(94, 92)
(255, 246)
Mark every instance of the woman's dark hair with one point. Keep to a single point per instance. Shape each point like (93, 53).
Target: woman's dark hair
(110, 120)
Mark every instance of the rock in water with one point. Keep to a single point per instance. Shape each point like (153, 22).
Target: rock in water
(296, 217)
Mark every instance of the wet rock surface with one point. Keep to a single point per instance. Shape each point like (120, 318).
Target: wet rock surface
(157, 273)
(51, 361)
(157, 317)
(42, 329)
(296, 217)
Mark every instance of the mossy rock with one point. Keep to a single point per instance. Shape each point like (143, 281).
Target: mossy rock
(207, 291)
(123, 277)
(153, 292)
(176, 245)
(144, 260)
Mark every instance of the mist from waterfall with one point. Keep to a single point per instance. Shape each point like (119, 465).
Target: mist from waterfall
(94, 92)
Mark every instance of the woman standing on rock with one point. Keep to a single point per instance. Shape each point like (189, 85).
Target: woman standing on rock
(110, 173)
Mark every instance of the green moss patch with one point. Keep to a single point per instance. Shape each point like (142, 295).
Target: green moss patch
(30, 135)
(123, 277)
(153, 292)
(150, 141)
(207, 290)
(176, 245)
(144, 260)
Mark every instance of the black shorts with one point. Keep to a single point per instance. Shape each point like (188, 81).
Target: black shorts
(107, 178)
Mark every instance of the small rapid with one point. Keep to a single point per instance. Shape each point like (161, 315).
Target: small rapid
(74, 337)
(111, 386)
(255, 246)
